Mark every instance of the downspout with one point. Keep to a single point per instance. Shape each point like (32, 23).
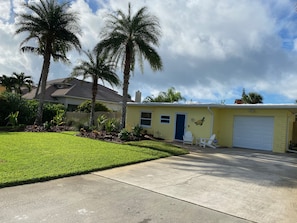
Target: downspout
(211, 125)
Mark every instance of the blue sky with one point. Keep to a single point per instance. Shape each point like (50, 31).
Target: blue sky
(211, 49)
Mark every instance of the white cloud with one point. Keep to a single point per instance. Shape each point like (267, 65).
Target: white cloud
(211, 49)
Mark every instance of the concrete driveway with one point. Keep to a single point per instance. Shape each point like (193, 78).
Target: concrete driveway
(222, 185)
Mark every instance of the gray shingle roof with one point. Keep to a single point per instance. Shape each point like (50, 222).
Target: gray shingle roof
(72, 87)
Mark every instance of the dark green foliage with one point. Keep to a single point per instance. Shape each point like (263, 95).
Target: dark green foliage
(11, 103)
(51, 110)
(125, 135)
(170, 96)
(137, 131)
(86, 107)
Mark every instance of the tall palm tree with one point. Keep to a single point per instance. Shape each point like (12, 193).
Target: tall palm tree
(54, 29)
(22, 81)
(170, 96)
(97, 67)
(130, 37)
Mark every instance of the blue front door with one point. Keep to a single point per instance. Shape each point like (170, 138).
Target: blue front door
(179, 126)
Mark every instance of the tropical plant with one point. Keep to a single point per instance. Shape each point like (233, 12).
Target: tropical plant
(97, 67)
(101, 122)
(137, 131)
(13, 118)
(112, 125)
(124, 135)
(251, 98)
(170, 96)
(54, 28)
(128, 37)
(20, 80)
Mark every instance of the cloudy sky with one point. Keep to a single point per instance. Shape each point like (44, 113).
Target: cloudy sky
(211, 49)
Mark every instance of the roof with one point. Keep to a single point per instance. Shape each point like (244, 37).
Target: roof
(75, 88)
(290, 107)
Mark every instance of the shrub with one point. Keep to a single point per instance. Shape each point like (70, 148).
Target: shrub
(137, 131)
(13, 118)
(86, 107)
(11, 103)
(101, 120)
(58, 119)
(50, 110)
(124, 135)
(112, 125)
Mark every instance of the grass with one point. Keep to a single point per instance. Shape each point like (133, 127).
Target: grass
(27, 157)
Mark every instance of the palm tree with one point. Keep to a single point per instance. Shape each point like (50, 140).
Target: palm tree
(251, 98)
(170, 96)
(54, 28)
(22, 81)
(97, 67)
(127, 38)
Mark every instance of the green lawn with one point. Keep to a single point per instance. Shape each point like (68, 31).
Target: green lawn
(27, 157)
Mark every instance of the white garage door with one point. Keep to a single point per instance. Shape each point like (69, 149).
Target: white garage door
(253, 132)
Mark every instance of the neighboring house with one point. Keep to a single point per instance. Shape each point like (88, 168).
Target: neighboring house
(259, 126)
(72, 92)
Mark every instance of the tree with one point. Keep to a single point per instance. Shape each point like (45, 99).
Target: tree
(54, 28)
(97, 67)
(22, 81)
(251, 98)
(16, 82)
(7, 82)
(170, 96)
(127, 38)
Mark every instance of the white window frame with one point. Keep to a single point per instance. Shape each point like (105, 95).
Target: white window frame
(146, 119)
(165, 119)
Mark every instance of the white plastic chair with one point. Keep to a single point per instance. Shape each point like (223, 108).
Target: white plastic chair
(188, 138)
(207, 142)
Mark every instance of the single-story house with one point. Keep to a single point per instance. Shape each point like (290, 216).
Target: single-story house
(72, 92)
(270, 127)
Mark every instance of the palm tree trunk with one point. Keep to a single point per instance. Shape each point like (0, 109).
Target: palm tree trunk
(126, 85)
(44, 74)
(94, 93)
(38, 86)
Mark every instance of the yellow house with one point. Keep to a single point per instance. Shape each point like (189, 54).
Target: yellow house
(261, 126)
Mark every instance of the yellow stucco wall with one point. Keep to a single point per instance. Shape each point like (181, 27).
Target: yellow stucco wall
(167, 130)
(282, 125)
(217, 120)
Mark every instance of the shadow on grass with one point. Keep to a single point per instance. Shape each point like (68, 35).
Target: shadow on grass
(159, 146)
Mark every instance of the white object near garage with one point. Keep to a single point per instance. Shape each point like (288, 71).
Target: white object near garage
(253, 132)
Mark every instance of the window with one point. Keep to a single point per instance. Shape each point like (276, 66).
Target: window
(145, 118)
(165, 119)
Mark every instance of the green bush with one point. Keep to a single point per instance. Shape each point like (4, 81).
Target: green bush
(112, 125)
(124, 135)
(137, 131)
(86, 107)
(50, 110)
(101, 120)
(11, 103)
